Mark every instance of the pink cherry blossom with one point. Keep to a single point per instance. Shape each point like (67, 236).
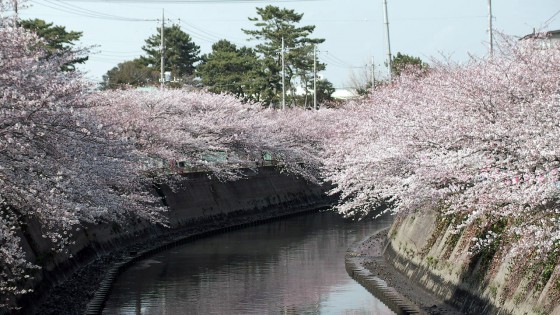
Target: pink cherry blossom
(481, 139)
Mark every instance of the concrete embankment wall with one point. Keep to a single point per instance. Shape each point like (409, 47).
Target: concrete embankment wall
(197, 200)
(430, 254)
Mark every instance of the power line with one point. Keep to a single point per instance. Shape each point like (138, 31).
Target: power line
(199, 32)
(551, 18)
(204, 35)
(117, 56)
(72, 9)
(440, 18)
(119, 52)
(105, 59)
(337, 62)
(193, 1)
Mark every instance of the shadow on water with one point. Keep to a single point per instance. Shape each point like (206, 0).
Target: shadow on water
(291, 266)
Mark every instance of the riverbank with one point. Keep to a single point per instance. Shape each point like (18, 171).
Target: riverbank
(427, 248)
(199, 204)
(78, 294)
(366, 263)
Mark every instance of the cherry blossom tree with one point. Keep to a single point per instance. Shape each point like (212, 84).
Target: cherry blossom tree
(70, 156)
(479, 140)
(58, 167)
(180, 125)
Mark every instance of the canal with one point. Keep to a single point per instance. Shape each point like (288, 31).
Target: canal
(290, 266)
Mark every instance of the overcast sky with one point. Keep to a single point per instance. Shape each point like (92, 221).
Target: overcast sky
(353, 29)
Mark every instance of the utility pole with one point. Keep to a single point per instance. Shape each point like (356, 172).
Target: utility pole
(386, 18)
(372, 74)
(490, 29)
(15, 13)
(162, 51)
(315, 77)
(283, 76)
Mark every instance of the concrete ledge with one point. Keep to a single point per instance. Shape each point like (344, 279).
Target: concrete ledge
(376, 286)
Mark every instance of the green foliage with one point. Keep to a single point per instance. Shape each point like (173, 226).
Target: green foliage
(484, 257)
(180, 53)
(432, 262)
(545, 268)
(364, 88)
(451, 242)
(518, 298)
(493, 291)
(442, 223)
(57, 39)
(273, 25)
(228, 69)
(401, 62)
(324, 90)
(130, 73)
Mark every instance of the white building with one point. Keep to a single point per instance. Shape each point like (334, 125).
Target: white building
(345, 94)
(548, 38)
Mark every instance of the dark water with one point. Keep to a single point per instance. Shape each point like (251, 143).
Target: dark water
(292, 266)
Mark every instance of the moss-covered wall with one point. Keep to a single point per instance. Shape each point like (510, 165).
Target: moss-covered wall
(428, 250)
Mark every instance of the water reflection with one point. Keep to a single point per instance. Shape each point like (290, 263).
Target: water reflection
(293, 266)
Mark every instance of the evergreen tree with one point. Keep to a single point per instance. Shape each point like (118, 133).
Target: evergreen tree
(324, 90)
(130, 73)
(273, 25)
(58, 40)
(232, 70)
(180, 52)
(402, 62)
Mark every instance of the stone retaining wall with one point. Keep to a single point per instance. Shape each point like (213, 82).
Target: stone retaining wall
(432, 256)
(199, 200)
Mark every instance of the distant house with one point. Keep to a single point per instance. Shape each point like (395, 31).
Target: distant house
(547, 38)
(148, 88)
(345, 94)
